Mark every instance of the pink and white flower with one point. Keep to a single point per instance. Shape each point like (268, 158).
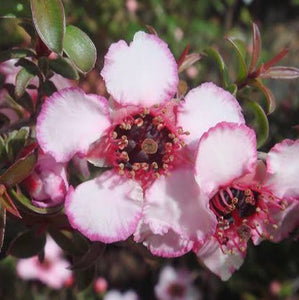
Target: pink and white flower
(47, 184)
(176, 285)
(140, 132)
(52, 271)
(251, 200)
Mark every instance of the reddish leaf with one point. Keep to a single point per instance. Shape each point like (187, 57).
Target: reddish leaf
(189, 60)
(268, 94)
(7, 203)
(183, 55)
(256, 47)
(2, 224)
(151, 30)
(280, 72)
(274, 60)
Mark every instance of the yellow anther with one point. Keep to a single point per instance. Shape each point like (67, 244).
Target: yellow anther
(154, 165)
(114, 134)
(139, 122)
(121, 166)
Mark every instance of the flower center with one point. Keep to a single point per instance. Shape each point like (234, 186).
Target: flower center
(242, 213)
(144, 146)
(176, 290)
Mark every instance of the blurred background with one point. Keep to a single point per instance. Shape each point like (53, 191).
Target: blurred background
(270, 271)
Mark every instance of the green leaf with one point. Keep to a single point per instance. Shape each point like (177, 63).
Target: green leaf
(27, 64)
(16, 141)
(79, 48)
(94, 252)
(64, 67)
(260, 122)
(26, 102)
(15, 53)
(25, 202)
(18, 171)
(242, 68)
(49, 88)
(49, 21)
(22, 80)
(216, 56)
(2, 224)
(27, 244)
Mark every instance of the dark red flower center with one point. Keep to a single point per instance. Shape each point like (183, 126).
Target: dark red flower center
(144, 146)
(176, 290)
(240, 212)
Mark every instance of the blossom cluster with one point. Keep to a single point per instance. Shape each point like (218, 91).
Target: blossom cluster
(181, 173)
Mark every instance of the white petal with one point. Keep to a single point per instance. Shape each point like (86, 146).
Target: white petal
(70, 121)
(143, 73)
(223, 265)
(175, 202)
(166, 244)
(204, 107)
(105, 209)
(225, 153)
(283, 169)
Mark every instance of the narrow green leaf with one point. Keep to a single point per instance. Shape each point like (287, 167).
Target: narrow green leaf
(64, 67)
(49, 21)
(26, 102)
(80, 48)
(260, 122)
(27, 244)
(242, 68)
(27, 64)
(22, 80)
(216, 56)
(49, 88)
(18, 171)
(16, 141)
(15, 53)
(232, 88)
(2, 224)
(94, 252)
(25, 202)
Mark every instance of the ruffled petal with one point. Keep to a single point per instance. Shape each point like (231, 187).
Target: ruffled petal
(204, 107)
(283, 169)
(175, 202)
(168, 244)
(223, 265)
(105, 209)
(70, 121)
(225, 153)
(143, 73)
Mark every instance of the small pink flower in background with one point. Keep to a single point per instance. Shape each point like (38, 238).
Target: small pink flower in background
(140, 132)
(176, 285)
(52, 271)
(178, 33)
(100, 285)
(192, 72)
(249, 199)
(47, 184)
(132, 5)
(116, 295)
